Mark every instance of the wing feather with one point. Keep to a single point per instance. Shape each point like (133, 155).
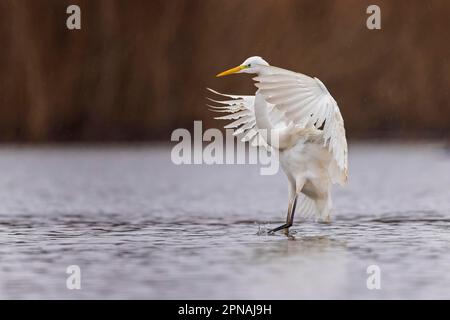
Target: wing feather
(240, 109)
(307, 103)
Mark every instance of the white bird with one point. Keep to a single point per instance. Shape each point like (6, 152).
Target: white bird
(305, 119)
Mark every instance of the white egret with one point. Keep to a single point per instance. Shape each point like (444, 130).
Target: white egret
(309, 129)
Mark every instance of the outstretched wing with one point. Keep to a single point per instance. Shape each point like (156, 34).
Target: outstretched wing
(241, 110)
(307, 102)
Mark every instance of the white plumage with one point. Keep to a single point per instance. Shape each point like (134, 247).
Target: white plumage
(305, 119)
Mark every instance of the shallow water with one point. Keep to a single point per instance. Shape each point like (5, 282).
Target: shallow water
(140, 227)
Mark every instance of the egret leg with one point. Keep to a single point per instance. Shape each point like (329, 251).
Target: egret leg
(289, 219)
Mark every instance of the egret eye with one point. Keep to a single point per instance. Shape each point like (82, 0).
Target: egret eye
(249, 65)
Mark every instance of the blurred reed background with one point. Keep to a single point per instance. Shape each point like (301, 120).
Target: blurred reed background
(138, 69)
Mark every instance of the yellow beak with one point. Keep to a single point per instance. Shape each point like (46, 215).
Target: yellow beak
(231, 71)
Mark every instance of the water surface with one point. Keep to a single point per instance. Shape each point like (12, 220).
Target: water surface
(140, 227)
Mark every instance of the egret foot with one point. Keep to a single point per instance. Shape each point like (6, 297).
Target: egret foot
(284, 227)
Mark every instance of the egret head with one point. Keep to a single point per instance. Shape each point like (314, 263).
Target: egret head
(250, 65)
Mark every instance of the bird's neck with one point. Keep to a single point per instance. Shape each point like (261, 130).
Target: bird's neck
(263, 122)
(261, 107)
(262, 113)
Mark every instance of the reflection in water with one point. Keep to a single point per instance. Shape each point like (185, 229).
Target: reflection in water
(160, 231)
